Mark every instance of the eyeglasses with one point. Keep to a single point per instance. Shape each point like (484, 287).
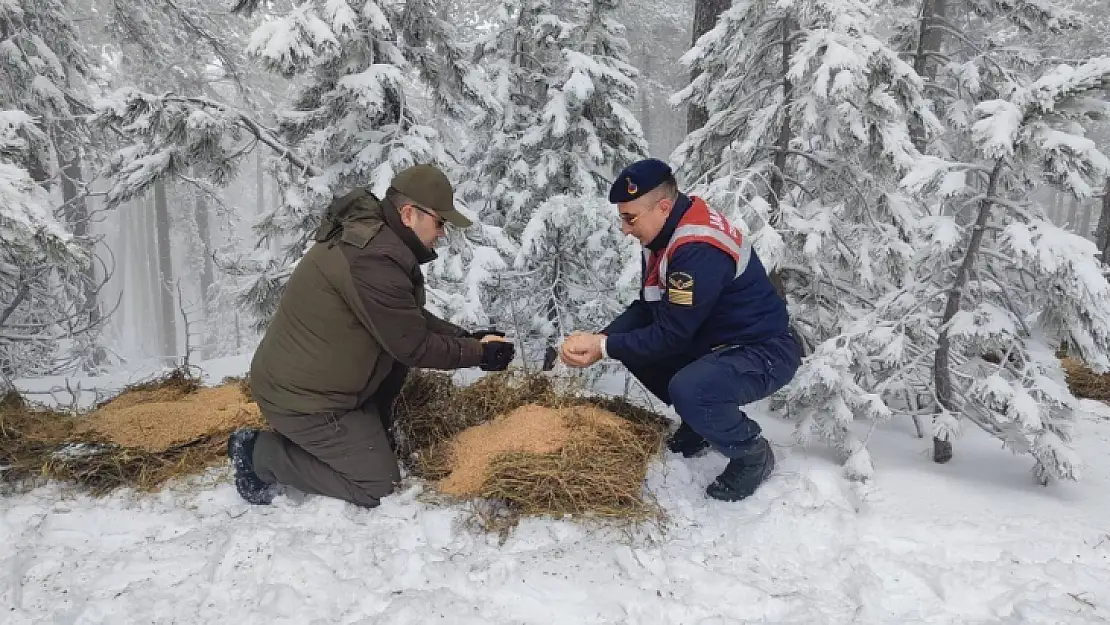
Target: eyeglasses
(440, 222)
(631, 219)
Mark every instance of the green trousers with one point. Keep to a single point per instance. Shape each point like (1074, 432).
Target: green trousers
(343, 455)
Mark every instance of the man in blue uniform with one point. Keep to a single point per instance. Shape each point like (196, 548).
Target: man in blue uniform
(708, 333)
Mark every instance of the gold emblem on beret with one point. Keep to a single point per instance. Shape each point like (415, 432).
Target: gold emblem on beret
(632, 188)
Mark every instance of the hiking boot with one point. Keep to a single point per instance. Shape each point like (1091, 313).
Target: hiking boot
(744, 473)
(687, 442)
(240, 449)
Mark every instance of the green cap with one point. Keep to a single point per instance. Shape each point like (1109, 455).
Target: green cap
(428, 186)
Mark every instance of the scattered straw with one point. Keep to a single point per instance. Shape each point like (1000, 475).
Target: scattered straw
(1085, 383)
(159, 424)
(173, 386)
(152, 432)
(28, 436)
(518, 440)
(530, 429)
(599, 471)
(511, 439)
(244, 383)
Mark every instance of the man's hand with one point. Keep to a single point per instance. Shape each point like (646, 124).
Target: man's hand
(581, 350)
(497, 353)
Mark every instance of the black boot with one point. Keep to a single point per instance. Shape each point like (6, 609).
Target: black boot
(744, 473)
(687, 442)
(240, 449)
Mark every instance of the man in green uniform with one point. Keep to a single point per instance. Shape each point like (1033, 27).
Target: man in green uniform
(350, 324)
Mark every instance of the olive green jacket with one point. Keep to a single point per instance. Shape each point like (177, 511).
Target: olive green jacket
(353, 307)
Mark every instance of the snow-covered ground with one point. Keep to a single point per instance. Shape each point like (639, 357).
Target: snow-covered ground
(973, 541)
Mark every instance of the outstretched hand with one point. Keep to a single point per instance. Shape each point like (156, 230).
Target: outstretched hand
(581, 350)
(497, 353)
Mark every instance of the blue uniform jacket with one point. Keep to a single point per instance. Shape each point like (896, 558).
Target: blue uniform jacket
(725, 310)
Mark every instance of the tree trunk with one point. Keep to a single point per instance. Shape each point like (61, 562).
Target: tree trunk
(942, 376)
(165, 273)
(1073, 213)
(238, 334)
(261, 206)
(645, 100)
(929, 42)
(706, 13)
(1085, 219)
(144, 258)
(77, 216)
(782, 145)
(260, 181)
(206, 274)
(1102, 234)
(1054, 209)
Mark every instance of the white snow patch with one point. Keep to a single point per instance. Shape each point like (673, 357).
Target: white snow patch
(969, 541)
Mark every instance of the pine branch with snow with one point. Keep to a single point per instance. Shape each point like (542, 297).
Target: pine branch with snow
(808, 133)
(1030, 287)
(566, 128)
(48, 290)
(808, 136)
(352, 121)
(41, 265)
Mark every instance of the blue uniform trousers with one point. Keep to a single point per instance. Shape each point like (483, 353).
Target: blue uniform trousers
(707, 391)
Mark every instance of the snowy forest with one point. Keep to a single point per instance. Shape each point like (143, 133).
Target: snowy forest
(926, 180)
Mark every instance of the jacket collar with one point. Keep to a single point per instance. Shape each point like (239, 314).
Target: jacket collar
(408, 237)
(681, 205)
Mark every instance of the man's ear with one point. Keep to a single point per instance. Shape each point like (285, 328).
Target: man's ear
(407, 214)
(666, 205)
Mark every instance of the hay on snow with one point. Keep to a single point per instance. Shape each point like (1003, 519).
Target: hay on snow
(508, 437)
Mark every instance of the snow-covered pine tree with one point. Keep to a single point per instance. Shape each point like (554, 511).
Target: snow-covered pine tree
(974, 333)
(353, 117)
(567, 128)
(996, 47)
(462, 281)
(807, 136)
(41, 266)
(1021, 287)
(806, 139)
(351, 122)
(49, 289)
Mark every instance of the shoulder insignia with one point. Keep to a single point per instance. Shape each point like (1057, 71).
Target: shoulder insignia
(682, 298)
(680, 280)
(680, 288)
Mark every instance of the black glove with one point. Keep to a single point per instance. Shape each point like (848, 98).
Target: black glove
(496, 355)
(481, 334)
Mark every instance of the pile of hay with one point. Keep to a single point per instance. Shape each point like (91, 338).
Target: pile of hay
(513, 440)
(1085, 383)
(148, 434)
(516, 440)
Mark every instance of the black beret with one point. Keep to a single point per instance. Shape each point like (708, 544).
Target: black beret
(639, 178)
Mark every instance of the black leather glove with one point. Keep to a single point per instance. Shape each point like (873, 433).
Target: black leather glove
(496, 355)
(481, 334)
